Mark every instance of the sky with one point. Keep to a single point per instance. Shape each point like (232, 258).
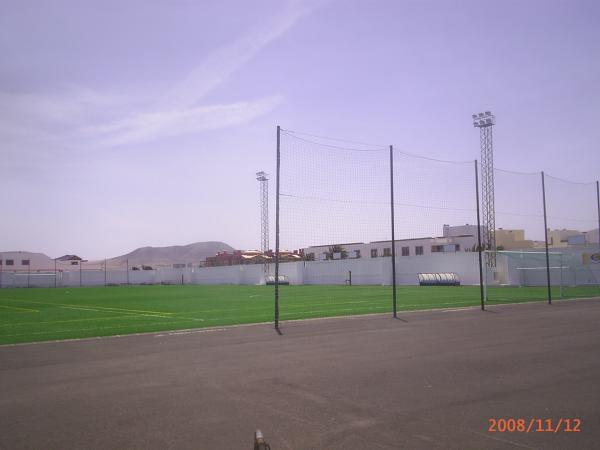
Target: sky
(134, 123)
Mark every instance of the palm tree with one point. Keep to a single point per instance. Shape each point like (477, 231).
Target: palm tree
(336, 249)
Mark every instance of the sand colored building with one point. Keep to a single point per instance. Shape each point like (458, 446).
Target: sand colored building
(512, 239)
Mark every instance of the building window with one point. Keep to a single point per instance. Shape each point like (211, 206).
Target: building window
(436, 249)
(419, 250)
(387, 252)
(24, 262)
(457, 247)
(10, 262)
(357, 255)
(405, 251)
(74, 263)
(373, 253)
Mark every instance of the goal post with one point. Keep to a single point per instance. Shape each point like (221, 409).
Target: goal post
(33, 279)
(523, 275)
(573, 223)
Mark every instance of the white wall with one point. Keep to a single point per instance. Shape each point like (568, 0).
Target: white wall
(364, 271)
(218, 275)
(369, 271)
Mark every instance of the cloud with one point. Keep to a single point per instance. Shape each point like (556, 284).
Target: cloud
(106, 120)
(226, 60)
(156, 124)
(50, 116)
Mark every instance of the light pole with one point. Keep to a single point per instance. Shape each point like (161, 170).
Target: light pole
(263, 179)
(485, 121)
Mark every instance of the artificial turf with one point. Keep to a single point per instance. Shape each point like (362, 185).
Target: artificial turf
(40, 314)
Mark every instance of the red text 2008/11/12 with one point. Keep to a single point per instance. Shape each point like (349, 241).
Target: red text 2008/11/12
(534, 425)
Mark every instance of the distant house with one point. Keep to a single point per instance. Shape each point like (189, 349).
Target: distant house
(238, 257)
(69, 258)
(291, 256)
(461, 238)
(224, 259)
(255, 257)
(512, 239)
(20, 261)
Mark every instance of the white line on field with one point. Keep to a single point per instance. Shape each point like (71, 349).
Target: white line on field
(19, 309)
(63, 321)
(104, 310)
(99, 308)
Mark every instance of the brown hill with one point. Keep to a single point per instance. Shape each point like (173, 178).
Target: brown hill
(176, 254)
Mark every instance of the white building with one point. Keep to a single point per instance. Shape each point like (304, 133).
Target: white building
(25, 261)
(461, 230)
(461, 238)
(21, 261)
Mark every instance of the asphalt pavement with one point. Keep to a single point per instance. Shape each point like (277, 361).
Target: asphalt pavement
(427, 380)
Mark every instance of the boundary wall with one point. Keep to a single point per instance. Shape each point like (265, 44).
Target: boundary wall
(365, 271)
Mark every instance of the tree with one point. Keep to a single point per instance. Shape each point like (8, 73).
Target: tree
(336, 249)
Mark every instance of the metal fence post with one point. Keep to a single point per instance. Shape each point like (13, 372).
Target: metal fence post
(479, 237)
(277, 229)
(393, 235)
(598, 207)
(546, 240)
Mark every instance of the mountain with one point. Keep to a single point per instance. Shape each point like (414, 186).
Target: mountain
(156, 256)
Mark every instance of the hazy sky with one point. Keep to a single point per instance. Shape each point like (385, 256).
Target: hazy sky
(132, 123)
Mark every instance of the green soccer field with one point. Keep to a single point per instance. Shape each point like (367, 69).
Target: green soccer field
(28, 315)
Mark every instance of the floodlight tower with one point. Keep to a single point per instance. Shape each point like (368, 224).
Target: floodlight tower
(485, 121)
(263, 179)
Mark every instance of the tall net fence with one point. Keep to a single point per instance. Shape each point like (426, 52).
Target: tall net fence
(572, 214)
(518, 268)
(435, 229)
(335, 234)
(334, 200)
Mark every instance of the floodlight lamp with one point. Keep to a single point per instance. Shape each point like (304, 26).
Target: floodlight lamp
(261, 176)
(482, 122)
(480, 114)
(474, 116)
(488, 121)
(488, 113)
